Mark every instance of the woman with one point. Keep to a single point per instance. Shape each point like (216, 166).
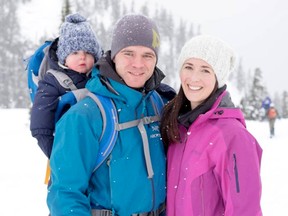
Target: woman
(213, 161)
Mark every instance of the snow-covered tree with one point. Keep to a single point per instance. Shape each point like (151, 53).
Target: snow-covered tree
(239, 78)
(277, 103)
(285, 104)
(12, 76)
(252, 102)
(66, 9)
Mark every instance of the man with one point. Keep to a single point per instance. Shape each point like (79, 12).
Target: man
(132, 181)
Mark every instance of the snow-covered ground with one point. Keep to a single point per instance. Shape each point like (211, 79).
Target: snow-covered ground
(22, 167)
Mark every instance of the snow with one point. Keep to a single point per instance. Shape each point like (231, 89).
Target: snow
(23, 166)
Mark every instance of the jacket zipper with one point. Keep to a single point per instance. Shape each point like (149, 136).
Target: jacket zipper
(236, 174)
(202, 194)
(153, 193)
(111, 184)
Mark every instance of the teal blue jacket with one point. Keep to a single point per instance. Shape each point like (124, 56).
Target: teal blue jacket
(121, 183)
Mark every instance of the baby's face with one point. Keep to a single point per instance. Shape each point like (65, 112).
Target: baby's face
(80, 61)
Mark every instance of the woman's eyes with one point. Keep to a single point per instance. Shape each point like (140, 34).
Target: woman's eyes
(206, 71)
(188, 67)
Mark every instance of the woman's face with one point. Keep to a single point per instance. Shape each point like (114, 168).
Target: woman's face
(198, 80)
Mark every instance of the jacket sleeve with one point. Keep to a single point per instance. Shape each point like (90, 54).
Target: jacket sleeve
(42, 122)
(240, 175)
(73, 159)
(45, 143)
(44, 106)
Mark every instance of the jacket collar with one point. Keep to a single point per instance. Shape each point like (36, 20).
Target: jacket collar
(188, 116)
(219, 105)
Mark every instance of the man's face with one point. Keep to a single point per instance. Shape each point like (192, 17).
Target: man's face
(135, 65)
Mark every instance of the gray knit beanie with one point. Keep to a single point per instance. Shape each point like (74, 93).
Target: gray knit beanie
(135, 30)
(212, 50)
(76, 34)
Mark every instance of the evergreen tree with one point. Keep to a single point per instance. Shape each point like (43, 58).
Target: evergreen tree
(181, 36)
(252, 102)
(145, 10)
(116, 10)
(238, 78)
(66, 9)
(285, 104)
(277, 103)
(12, 76)
(166, 61)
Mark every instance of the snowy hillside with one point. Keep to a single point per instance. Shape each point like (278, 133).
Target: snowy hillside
(23, 165)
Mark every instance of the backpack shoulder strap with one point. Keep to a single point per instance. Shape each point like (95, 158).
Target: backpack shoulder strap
(109, 132)
(64, 80)
(157, 102)
(109, 116)
(111, 126)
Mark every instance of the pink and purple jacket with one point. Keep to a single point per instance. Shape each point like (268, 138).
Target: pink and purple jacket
(215, 170)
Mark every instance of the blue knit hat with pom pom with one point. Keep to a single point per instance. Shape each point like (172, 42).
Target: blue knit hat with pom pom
(77, 34)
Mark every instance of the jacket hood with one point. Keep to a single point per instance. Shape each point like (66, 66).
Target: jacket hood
(224, 108)
(52, 58)
(107, 69)
(188, 116)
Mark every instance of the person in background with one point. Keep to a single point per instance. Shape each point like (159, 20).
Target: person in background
(74, 53)
(272, 114)
(132, 180)
(213, 161)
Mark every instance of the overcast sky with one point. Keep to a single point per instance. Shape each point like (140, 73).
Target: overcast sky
(256, 29)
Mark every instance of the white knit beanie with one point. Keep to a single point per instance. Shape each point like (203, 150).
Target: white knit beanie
(212, 50)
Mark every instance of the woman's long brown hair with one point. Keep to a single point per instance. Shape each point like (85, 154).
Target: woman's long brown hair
(169, 124)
